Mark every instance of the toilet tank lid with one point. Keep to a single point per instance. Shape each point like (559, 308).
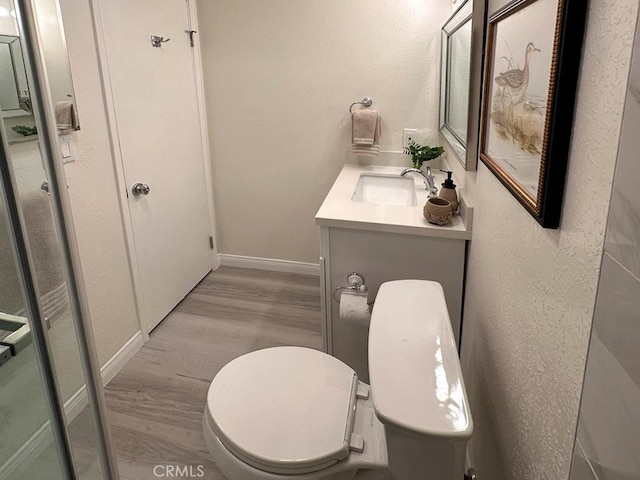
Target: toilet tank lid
(415, 374)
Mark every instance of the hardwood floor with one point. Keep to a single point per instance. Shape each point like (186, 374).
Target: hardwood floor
(155, 404)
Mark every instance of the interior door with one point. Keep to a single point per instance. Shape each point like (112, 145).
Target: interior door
(158, 126)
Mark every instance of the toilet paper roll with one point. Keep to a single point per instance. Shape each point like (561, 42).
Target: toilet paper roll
(354, 308)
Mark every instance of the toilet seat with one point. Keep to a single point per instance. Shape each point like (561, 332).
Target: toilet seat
(286, 410)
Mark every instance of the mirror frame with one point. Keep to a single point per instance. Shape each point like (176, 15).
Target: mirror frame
(460, 19)
(49, 24)
(70, 96)
(15, 50)
(467, 155)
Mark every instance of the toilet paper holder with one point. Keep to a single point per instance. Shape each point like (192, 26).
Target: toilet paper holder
(355, 283)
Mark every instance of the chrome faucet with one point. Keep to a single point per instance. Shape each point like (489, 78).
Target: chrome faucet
(429, 184)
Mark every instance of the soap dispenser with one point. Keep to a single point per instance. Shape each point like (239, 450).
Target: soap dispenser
(448, 191)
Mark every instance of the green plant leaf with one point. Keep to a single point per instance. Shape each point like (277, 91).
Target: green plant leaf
(422, 153)
(24, 130)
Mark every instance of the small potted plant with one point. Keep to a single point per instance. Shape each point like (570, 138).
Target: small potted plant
(24, 130)
(422, 153)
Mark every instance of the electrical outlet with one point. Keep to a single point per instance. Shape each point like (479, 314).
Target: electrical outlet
(408, 136)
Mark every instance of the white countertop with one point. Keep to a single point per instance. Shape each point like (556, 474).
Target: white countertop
(338, 210)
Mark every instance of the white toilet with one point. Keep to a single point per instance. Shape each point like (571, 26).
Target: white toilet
(289, 413)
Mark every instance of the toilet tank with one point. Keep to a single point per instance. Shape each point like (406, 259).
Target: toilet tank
(416, 382)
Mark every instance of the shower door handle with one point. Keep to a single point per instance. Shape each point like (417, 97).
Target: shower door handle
(140, 189)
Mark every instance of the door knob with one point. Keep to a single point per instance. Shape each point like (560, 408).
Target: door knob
(140, 189)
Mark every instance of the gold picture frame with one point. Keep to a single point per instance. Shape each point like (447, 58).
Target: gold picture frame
(531, 70)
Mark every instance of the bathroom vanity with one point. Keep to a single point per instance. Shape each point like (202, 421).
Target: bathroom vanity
(372, 224)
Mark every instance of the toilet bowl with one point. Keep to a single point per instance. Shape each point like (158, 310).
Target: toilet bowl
(288, 413)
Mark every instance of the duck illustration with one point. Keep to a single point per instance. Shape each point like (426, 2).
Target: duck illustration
(516, 81)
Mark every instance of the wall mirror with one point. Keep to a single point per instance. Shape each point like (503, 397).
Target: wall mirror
(14, 88)
(460, 77)
(15, 101)
(18, 130)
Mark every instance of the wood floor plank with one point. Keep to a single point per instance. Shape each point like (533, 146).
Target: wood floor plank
(243, 312)
(156, 402)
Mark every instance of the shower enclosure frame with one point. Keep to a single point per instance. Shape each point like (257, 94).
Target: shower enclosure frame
(47, 131)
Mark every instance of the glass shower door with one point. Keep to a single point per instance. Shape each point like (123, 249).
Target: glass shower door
(52, 422)
(24, 410)
(28, 447)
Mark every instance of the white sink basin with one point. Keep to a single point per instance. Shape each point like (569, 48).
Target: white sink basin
(385, 190)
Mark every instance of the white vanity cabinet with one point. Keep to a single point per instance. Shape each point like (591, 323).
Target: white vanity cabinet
(382, 243)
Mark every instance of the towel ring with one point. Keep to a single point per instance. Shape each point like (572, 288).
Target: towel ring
(365, 102)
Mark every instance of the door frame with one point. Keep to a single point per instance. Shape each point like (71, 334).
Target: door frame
(117, 157)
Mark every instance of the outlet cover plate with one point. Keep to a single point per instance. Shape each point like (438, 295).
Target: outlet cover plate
(408, 135)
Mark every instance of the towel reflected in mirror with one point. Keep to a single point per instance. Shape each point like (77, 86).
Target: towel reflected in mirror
(45, 255)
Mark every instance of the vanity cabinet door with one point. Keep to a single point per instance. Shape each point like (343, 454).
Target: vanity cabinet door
(382, 257)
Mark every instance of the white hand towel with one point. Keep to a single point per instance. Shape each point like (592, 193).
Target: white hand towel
(366, 130)
(46, 256)
(364, 124)
(46, 253)
(66, 119)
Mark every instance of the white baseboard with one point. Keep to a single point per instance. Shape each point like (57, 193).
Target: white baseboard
(111, 368)
(272, 264)
(27, 453)
(42, 438)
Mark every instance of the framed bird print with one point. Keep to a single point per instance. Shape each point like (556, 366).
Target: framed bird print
(531, 71)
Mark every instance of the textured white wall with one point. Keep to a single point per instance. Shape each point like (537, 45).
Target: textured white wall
(530, 291)
(279, 78)
(94, 199)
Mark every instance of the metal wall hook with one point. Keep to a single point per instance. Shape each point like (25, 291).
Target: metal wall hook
(190, 33)
(157, 41)
(365, 102)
